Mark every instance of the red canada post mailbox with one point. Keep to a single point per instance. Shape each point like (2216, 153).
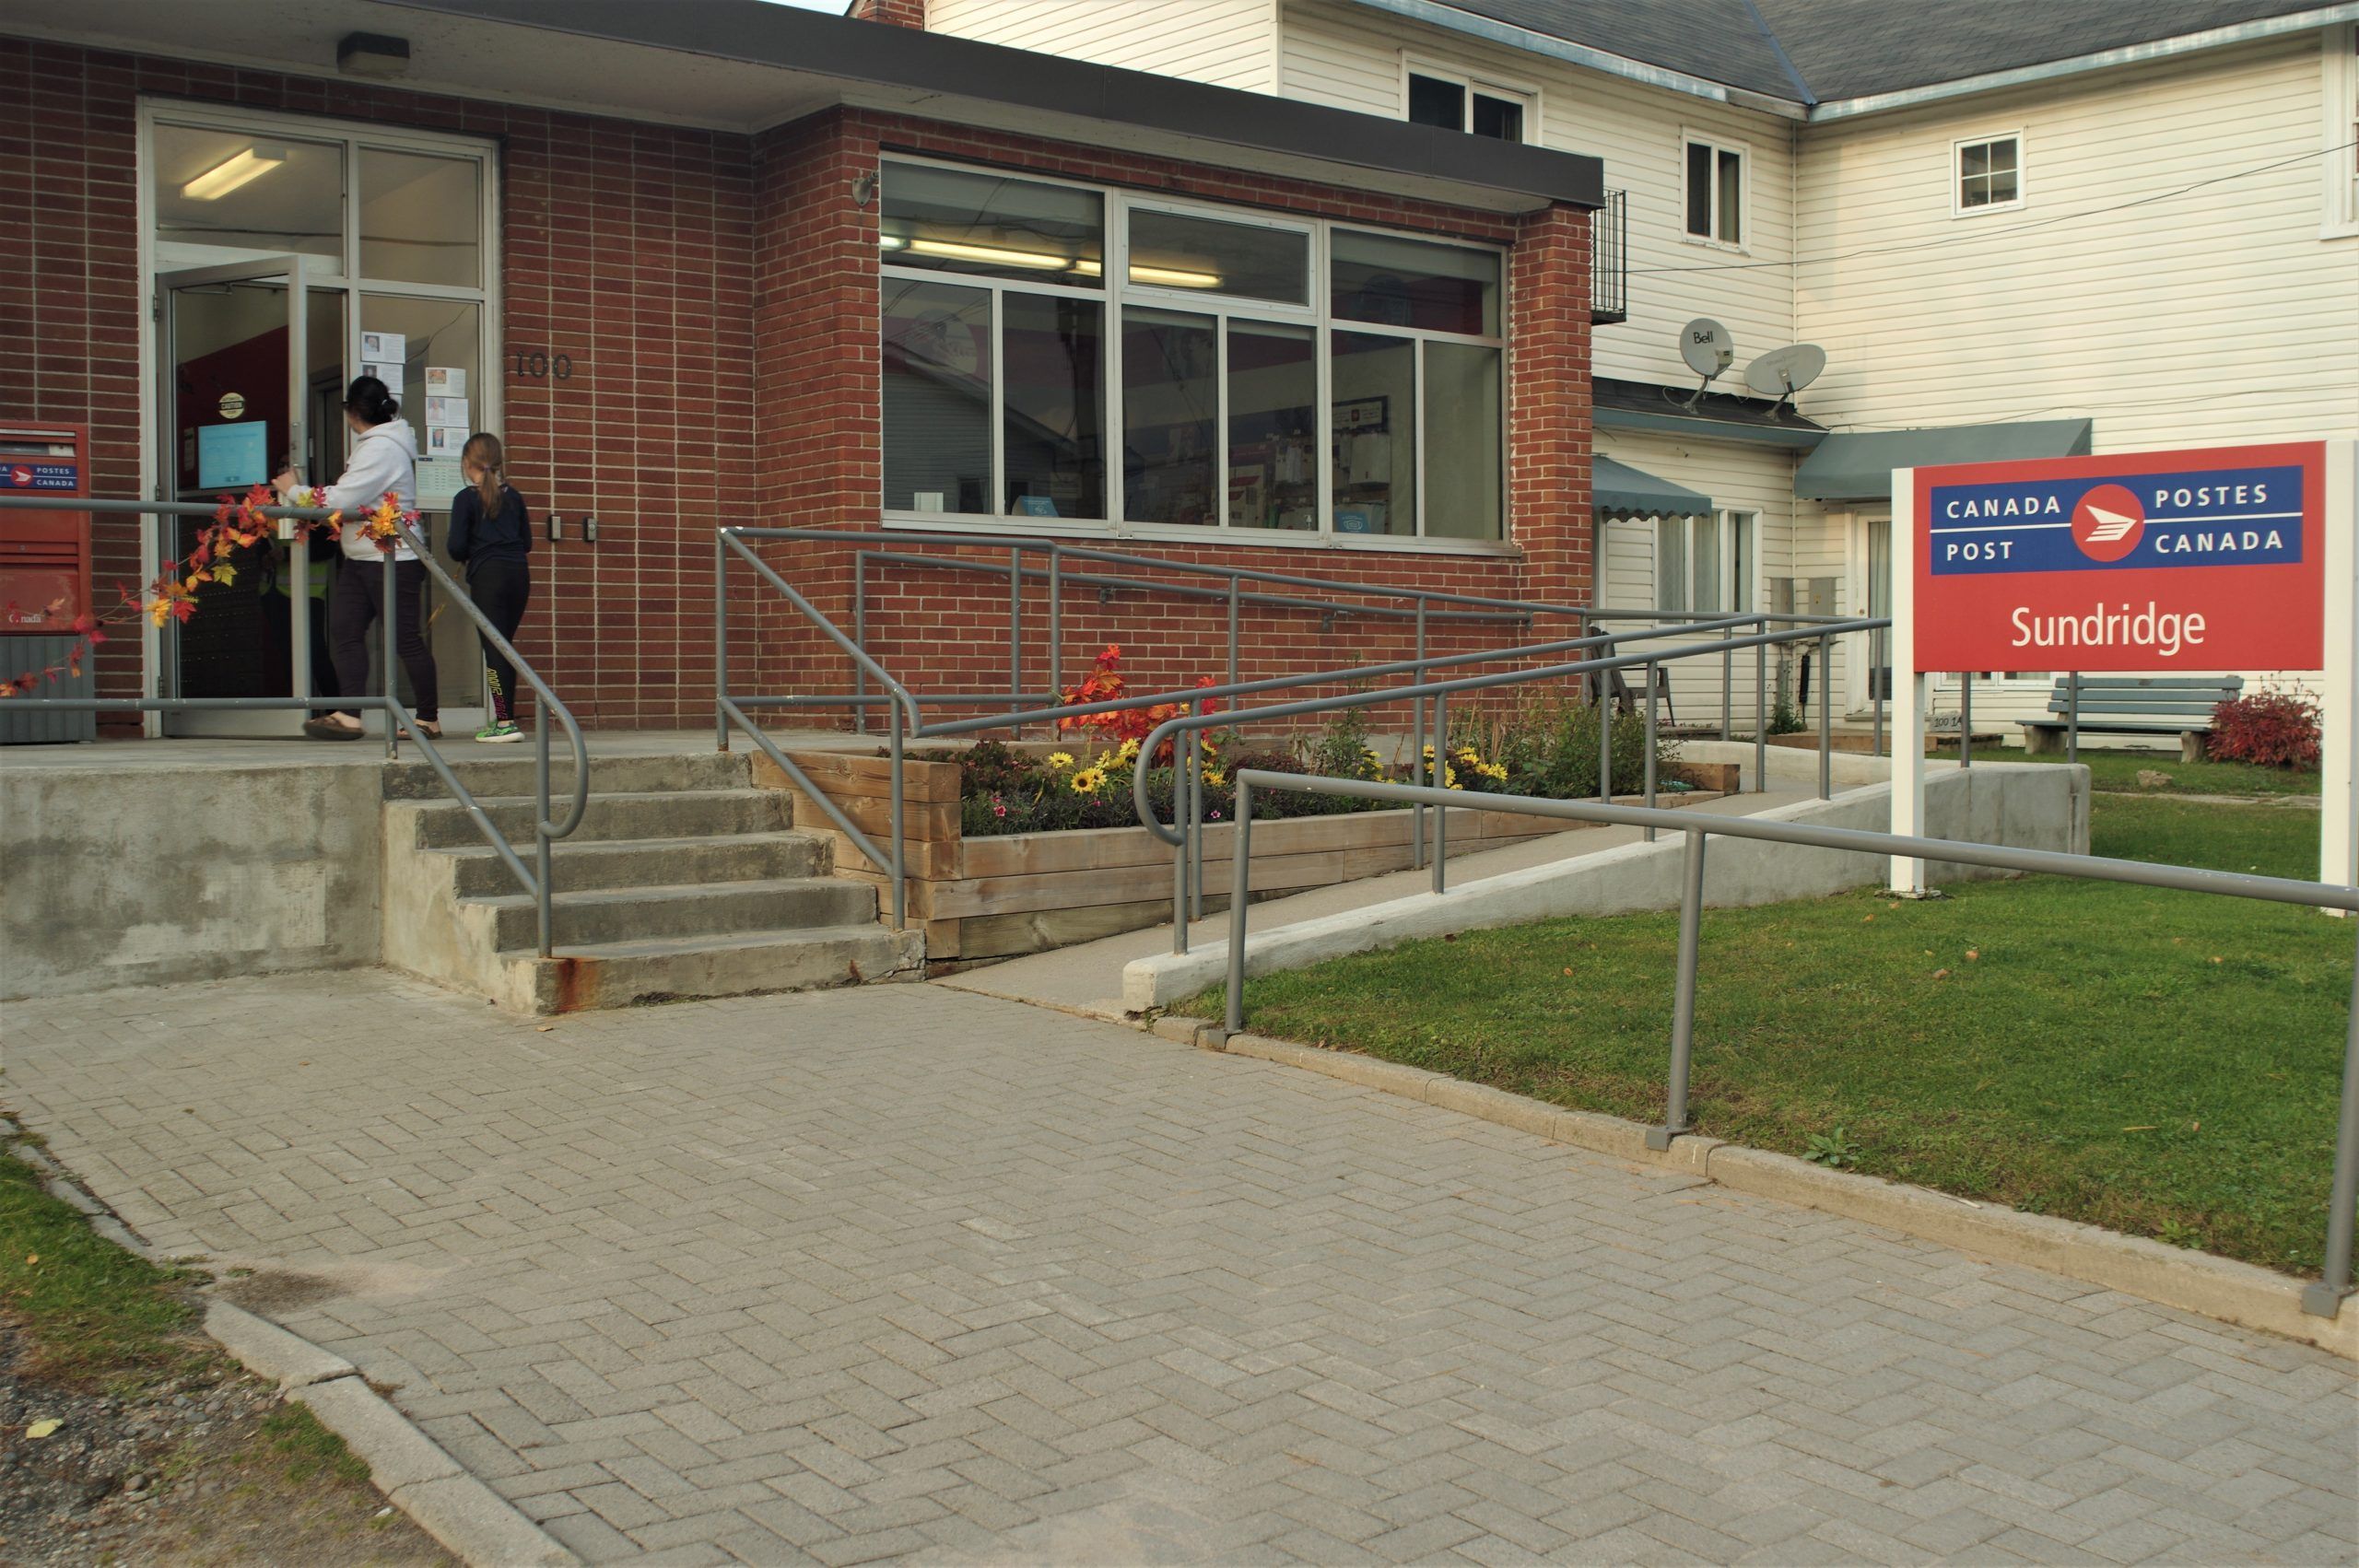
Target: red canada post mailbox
(44, 554)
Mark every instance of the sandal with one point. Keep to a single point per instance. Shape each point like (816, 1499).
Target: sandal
(430, 728)
(330, 729)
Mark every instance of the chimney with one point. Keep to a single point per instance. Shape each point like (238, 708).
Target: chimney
(896, 13)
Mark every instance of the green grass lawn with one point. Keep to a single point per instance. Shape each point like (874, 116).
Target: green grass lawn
(2120, 770)
(2161, 1063)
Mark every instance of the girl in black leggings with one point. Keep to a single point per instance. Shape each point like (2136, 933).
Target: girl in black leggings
(492, 532)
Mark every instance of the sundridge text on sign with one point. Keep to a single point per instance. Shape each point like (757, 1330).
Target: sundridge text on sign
(2206, 559)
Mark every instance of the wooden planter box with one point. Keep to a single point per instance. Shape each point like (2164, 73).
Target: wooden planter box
(1007, 894)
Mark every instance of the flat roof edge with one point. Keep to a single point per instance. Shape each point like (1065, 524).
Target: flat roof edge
(945, 70)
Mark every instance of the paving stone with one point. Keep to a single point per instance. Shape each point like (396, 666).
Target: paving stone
(848, 1276)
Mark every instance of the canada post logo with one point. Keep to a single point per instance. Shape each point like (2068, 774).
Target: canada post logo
(2226, 516)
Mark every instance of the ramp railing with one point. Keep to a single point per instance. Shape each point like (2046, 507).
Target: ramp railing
(399, 722)
(1235, 587)
(2322, 1299)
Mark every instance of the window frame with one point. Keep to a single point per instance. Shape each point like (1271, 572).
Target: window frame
(1525, 93)
(1118, 293)
(1958, 176)
(1743, 243)
(2338, 63)
(1725, 522)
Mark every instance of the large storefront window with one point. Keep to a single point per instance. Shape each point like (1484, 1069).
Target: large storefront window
(1145, 365)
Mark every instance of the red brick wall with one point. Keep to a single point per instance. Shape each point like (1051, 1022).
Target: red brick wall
(900, 12)
(718, 298)
(627, 247)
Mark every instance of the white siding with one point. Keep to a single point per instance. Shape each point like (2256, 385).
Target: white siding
(1738, 477)
(1229, 43)
(2218, 314)
(1351, 58)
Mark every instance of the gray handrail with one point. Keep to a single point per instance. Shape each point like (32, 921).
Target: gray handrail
(1171, 729)
(2323, 1299)
(1015, 707)
(399, 721)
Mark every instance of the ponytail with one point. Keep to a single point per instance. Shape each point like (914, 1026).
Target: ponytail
(484, 451)
(369, 401)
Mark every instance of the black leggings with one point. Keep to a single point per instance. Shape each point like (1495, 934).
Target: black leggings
(353, 607)
(501, 587)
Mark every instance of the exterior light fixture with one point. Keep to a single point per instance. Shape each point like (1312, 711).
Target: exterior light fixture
(240, 169)
(373, 55)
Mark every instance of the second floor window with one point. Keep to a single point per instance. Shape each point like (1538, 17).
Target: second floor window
(1715, 189)
(1989, 173)
(1454, 103)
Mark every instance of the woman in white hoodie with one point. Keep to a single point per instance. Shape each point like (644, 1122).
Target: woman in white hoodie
(384, 460)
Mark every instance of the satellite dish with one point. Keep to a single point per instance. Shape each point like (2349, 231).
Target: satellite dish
(1705, 345)
(1782, 372)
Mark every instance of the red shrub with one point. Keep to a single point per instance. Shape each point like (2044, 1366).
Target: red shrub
(2271, 729)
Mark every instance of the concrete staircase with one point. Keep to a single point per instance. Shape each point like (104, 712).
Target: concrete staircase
(683, 881)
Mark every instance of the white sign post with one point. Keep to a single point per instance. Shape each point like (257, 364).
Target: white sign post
(2339, 702)
(1914, 693)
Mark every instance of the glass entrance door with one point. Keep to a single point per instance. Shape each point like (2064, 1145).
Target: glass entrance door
(251, 372)
(1880, 604)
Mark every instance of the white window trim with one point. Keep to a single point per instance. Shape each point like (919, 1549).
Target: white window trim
(1957, 173)
(320, 273)
(1473, 82)
(1743, 243)
(2338, 210)
(1317, 315)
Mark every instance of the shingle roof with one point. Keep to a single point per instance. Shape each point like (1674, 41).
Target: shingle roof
(1817, 51)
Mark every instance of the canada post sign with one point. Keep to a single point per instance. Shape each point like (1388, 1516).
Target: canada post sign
(2204, 559)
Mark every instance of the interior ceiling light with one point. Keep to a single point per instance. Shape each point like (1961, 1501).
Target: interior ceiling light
(1169, 278)
(890, 242)
(242, 168)
(997, 256)
(1175, 277)
(373, 55)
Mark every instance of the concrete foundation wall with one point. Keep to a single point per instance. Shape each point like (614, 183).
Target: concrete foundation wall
(112, 877)
(2030, 805)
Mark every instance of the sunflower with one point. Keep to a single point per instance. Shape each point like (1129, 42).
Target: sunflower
(1060, 761)
(1088, 781)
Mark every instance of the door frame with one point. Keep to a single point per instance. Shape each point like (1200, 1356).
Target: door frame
(163, 396)
(339, 273)
(1859, 692)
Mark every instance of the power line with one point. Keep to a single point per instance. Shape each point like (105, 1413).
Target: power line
(1999, 233)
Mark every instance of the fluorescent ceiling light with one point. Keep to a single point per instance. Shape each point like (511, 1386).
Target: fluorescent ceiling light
(993, 255)
(1175, 277)
(242, 168)
(890, 242)
(1169, 278)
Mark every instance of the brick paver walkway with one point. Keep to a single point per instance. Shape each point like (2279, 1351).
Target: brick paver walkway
(904, 1271)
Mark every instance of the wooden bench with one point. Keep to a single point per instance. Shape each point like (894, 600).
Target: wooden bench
(2136, 705)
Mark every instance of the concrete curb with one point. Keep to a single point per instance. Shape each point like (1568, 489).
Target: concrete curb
(473, 1523)
(2219, 1288)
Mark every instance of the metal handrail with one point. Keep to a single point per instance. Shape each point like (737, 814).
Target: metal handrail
(1017, 708)
(2322, 1299)
(1184, 833)
(399, 722)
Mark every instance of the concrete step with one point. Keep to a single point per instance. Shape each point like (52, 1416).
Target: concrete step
(683, 813)
(507, 770)
(772, 907)
(577, 865)
(625, 974)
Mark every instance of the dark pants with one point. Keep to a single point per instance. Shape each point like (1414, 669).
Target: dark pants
(354, 605)
(501, 588)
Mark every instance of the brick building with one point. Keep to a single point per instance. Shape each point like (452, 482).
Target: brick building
(732, 263)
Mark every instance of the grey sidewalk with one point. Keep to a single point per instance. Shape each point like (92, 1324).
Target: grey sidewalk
(911, 1271)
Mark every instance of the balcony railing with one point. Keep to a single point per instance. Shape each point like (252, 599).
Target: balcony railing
(1609, 273)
